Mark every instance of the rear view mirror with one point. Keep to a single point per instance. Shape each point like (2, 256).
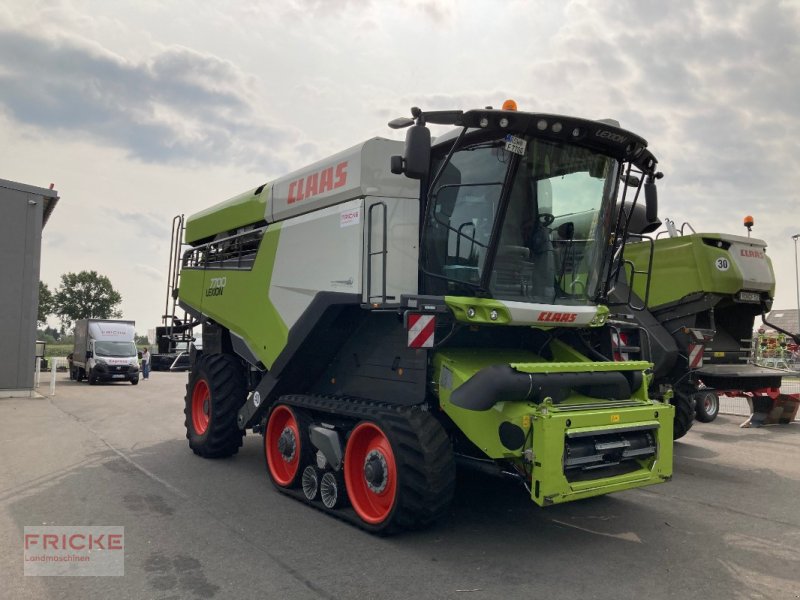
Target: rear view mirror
(417, 157)
(651, 200)
(88, 354)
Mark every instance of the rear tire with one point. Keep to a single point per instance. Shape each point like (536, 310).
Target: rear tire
(706, 406)
(214, 394)
(684, 414)
(91, 378)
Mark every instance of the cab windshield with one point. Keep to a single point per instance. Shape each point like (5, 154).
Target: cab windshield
(524, 226)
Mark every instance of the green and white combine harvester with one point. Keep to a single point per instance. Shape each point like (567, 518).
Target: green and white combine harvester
(397, 309)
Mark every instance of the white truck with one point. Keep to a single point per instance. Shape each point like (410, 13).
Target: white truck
(104, 351)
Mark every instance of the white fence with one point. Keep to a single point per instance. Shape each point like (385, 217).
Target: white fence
(739, 406)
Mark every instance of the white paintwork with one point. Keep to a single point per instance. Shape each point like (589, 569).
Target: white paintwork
(524, 313)
(402, 227)
(110, 331)
(356, 172)
(315, 253)
(754, 265)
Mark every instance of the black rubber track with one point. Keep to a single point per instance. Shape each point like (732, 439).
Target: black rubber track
(684, 415)
(423, 455)
(225, 378)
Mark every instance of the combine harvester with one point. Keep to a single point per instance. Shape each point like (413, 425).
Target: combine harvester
(693, 318)
(395, 310)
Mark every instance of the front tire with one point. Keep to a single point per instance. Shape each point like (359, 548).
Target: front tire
(214, 394)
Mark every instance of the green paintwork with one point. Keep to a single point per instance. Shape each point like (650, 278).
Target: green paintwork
(244, 307)
(549, 421)
(483, 307)
(684, 265)
(241, 210)
(550, 428)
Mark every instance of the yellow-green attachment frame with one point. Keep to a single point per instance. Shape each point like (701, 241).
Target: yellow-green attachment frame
(546, 427)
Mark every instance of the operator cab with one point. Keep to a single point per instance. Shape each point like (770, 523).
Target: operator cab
(520, 206)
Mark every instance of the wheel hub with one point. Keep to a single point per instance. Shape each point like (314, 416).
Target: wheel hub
(287, 444)
(375, 471)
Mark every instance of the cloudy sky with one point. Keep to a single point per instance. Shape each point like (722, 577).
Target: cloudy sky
(138, 111)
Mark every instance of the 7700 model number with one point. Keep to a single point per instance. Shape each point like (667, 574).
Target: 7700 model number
(217, 286)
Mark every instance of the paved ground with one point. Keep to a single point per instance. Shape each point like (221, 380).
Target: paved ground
(727, 526)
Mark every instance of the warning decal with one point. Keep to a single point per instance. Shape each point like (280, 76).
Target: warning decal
(420, 330)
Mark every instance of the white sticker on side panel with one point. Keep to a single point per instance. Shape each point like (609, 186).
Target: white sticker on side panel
(722, 264)
(350, 217)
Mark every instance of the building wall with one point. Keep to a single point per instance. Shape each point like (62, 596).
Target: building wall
(21, 217)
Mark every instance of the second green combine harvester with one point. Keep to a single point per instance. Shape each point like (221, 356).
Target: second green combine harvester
(392, 311)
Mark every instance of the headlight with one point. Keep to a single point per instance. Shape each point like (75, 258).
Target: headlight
(100, 361)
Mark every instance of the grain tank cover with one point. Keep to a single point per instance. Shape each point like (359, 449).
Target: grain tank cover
(362, 170)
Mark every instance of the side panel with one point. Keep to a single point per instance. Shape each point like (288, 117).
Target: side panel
(402, 245)
(239, 299)
(244, 209)
(362, 170)
(20, 247)
(318, 252)
(81, 342)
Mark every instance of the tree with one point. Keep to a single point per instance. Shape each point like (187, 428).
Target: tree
(86, 295)
(45, 302)
(48, 334)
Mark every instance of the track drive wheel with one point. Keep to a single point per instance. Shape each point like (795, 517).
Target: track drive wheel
(215, 392)
(706, 406)
(399, 471)
(684, 414)
(287, 449)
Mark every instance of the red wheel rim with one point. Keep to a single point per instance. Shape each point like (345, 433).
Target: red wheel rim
(201, 406)
(283, 462)
(372, 500)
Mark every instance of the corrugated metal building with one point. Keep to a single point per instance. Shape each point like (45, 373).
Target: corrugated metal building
(24, 211)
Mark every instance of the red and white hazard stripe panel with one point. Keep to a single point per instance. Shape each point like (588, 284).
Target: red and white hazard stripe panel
(420, 330)
(617, 340)
(695, 356)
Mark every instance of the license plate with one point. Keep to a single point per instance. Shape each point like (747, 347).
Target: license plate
(749, 296)
(515, 144)
(118, 376)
